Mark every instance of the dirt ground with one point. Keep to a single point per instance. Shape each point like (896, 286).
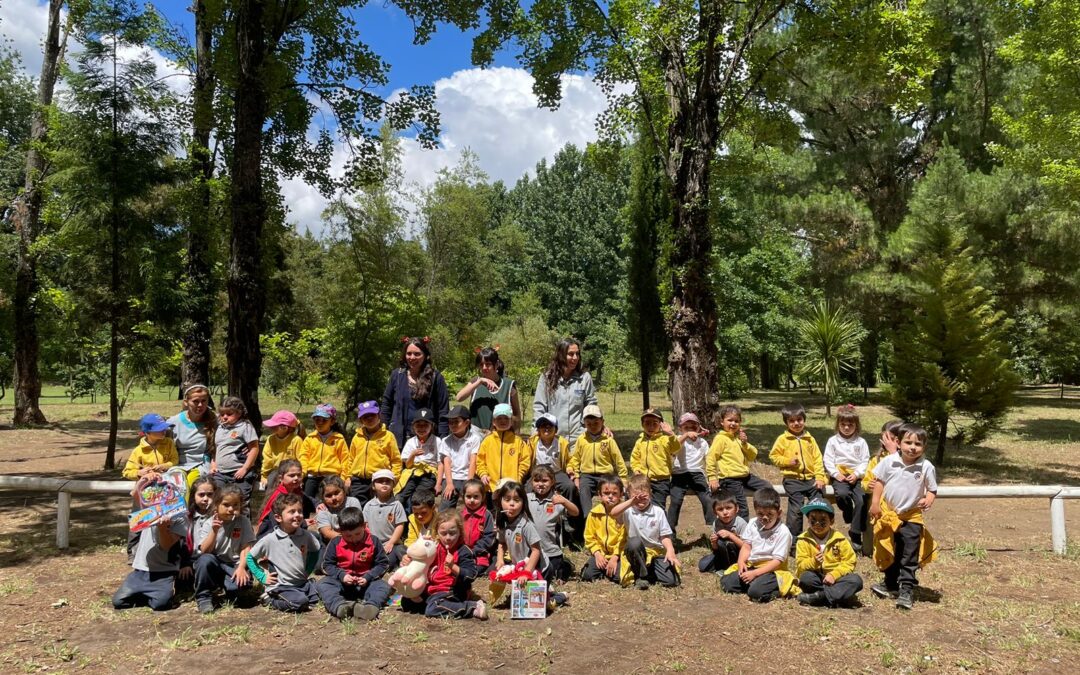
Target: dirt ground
(997, 600)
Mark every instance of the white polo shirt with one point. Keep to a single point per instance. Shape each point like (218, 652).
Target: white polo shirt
(460, 451)
(774, 544)
(853, 453)
(691, 456)
(905, 484)
(649, 525)
(428, 453)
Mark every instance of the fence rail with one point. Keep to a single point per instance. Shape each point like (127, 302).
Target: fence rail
(64, 488)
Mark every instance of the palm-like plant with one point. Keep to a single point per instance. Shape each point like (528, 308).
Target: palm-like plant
(829, 343)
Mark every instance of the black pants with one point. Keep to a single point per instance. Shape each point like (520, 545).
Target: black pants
(850, 498)
(798, 493)
(657, 571)
(440, 605)
(416, 482)
(906, 541)
(723, 556)
(660, 491)
(740, 486)
(332, 593)
(681, 483)
(313, 486)
(459, 492)
(558, 569)
(762, 589)
(842, 591)
(593, 572)
(246, 485)
(587, 483)
(361, 489)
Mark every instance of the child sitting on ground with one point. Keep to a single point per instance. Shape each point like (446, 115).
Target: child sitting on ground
(422, 519)
(905, 485)
(548, 510)
(728, 462)
(290, 482)
(450, 576)
(648, 543)
(354, 564)
(605, 537)
(290, 553)
(284, 441)
(761, 571)
(479, 524)
(385, 516)
(155, 565)
(846, 458)
(725, 540)
(156, 452)
(222, 544)
(653, 453)
(824, 560)
(334, 501)
(797, 455)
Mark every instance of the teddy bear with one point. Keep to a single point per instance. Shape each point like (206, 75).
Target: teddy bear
(410, 580)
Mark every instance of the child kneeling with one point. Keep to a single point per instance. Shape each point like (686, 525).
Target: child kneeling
(761, 572)
(291, 553)
(354, 565)
(825, 560)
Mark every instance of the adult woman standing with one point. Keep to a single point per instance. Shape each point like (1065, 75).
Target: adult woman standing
(564, 390)
(413, 385)
(489, 389)
(193, 431)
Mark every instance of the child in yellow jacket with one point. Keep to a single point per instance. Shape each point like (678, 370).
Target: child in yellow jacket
(727, 465)
(373, 447)
(156, 452)
(502, 454)
(284, 441)
(654, 453)
(323, 453)
(594, 456)
(825, 560)
(605, 537)
(799, 458)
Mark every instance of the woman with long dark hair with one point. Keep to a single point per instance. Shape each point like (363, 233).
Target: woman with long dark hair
(490, 388)
(565, 389)
(413, 385)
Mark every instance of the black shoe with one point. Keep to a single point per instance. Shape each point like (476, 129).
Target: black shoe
(641, 584)
(815, 599)
(883, 591)
(344, 610)
(205, 605)
(906, 598)
(856, 541)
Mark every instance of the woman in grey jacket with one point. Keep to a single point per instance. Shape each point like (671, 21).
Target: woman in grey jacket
(564, 390)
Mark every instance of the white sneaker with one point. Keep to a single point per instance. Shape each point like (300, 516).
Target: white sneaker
(480, 611)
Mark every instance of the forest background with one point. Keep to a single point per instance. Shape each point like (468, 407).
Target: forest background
(840, 195)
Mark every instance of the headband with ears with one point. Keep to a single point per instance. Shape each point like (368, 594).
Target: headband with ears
(424, 339)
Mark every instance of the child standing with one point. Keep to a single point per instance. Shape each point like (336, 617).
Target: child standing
(503, 455)
(728, 464)
(548, 509)
(385, 516)
(888, 445)
(761, 571)
(648, 544)
(373, 448)
(155, 566)
(905, 485)
(450, 576)
(595, 456)
(478, 524)
(652, 455)
(223, 543)
(354, 564)
(846, 458)
(726, 538)
(334, 501)
(553, 451)
(290, 482)
(236, 448)
(422, 519)
(156, 452)
(323, 453)
(605, 537)
(688, 471)
(824, 560)
(284, 441)
(420, 458)
(291, 553)
(459, 459)
(799, 458)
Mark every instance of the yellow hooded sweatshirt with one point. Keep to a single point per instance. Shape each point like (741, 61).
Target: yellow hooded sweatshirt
(503, 454)
(371, 451)
(728, 457)
(324, 457)
(652, 456)
(803, 448)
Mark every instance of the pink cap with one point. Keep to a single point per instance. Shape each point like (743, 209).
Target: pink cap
(689, 417)
(282, 417)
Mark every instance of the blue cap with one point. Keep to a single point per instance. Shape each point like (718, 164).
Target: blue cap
(817, 505)
(502, 410)
(325, 410)
(153, 422)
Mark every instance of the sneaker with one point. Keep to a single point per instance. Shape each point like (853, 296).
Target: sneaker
(560, 599)
(905, 599)
(641, 584)
(480, 611)
(856, 541)
(344, 610)
(883, 591)
(815, 599)
(206, 605)
(366, 611)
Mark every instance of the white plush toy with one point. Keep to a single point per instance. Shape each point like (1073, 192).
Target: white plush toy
(411, 580)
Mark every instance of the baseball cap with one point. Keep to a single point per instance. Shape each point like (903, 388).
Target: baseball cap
(652, 412)
(593, 411)
(423, 415)
(689, 417)
(153, 422)
(381, 474)
(458, 411)
(367, 408)
(282, 418)
(547, 418)
(503, 410)
(325, 410)
(817, 505)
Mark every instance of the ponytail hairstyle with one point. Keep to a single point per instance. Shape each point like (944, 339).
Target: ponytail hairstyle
(209, 420)
(558, 362)
(490, 355)
(421, 388)
(234, 404)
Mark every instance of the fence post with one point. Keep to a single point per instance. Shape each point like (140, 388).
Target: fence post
(63, 518)
(1057, 523)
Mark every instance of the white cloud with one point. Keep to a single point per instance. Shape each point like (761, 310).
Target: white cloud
(23, 24)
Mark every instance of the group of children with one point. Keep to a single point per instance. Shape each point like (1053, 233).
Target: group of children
(351, 510)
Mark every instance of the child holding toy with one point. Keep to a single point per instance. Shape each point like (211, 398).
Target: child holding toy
(450, 575)
(155, 566)
(156, 452)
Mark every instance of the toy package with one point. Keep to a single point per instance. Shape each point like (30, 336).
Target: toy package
(158, 498)
(528, 599)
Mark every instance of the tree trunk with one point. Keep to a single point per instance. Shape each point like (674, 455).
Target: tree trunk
(198, 326)
(246, 288)
(942, 436)
(26, 219)
(114, 279)
(645, 364)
